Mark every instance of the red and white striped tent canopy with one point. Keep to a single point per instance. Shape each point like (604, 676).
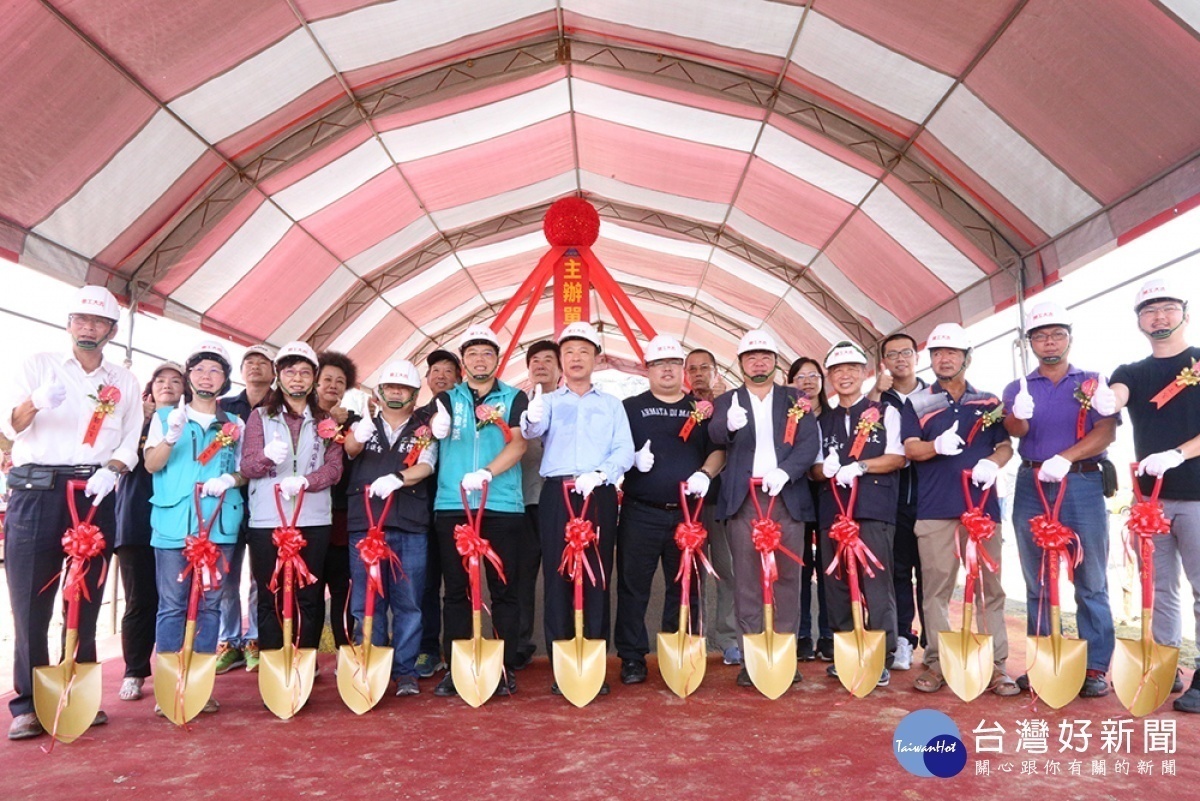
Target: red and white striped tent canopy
(372, 176)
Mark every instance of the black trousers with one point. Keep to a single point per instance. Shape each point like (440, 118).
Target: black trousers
(337, 579)
(529, 562)
(34, 526)
(431, 599)
(907, 565)
(141, 608)
(646, 538)
(503, 531)
(878, 592)
(558, 609)
(311, 599)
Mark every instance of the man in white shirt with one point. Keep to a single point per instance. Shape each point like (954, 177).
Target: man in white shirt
(70, 416)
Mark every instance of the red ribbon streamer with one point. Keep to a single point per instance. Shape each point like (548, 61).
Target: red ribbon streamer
(851, 550)
(469, 541)
(1050, 534)
(767, 536)
(1146, 521)
(1186, 378)
(580, 535)
(288, 541)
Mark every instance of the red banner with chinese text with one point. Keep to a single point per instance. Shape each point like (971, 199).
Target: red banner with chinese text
(572, 291)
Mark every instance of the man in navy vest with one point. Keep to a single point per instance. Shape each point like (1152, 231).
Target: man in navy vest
(861, 438)
(473, 425)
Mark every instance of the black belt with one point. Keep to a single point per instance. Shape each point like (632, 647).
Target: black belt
(1077, 467)
(666, 507)
(45, 476)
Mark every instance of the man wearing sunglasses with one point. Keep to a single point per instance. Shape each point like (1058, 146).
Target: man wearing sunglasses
(1164, 405)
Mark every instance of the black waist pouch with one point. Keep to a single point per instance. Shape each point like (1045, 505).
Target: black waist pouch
(1108, 477)
(32, 477)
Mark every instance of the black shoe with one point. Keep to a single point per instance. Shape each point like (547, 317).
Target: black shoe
(523, 660)
(804, 649)
(507, 686)
(797, 678)
(743, 678)
(1177, 687)
(1023, 682)
(831, 671)
(1094, 686)
(825, 648)
(1190, 700)
(445, 687)
(633, 671)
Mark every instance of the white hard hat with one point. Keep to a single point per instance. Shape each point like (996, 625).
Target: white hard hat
(209, 347)
(478, 333)
(301, 349)
(1046, 314)
(259, 350)
(1155, 289)
(664, 347)
(97, 301)
(948, 335)
(402, 373)
(757, 340)
(580, 330)
(845, 352)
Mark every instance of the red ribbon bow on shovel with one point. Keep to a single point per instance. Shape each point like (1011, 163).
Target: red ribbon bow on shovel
(374, 550)
(851, 550)
(82, 542)
(201, 553)
(690, 536)
(289, 542)
(1050, 534)
(580, 535)
(767, 536)
(1146, 521)
(470, 543)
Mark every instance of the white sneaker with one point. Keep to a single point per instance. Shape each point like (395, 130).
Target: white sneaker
(902, 659)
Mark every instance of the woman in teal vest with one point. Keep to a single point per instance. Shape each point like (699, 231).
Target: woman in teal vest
(193, 443)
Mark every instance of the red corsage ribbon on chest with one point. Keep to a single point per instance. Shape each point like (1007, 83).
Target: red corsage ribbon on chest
(492, 415)
(795, 414)
(701, 411)
(227, 437)
(107, 397)
(868, 422)
(1188, 377)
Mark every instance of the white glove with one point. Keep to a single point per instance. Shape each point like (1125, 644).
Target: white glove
(176, 421)
(474, 481)
(735, 419)
(849, 474)
(643, 460)
(1054, 469)
(584, 484)
(698, 484)
(217, 486)
(948, 443)
(276, 450)
(832, 464)
(1104, 400)
(290, 486)
(536, 409)
(49, 396)
(100, 484)
(439, 426)
(386, 485)
(984, 473)
(1022, 407)
(1158, 463)
(774, 480)
(363, 430)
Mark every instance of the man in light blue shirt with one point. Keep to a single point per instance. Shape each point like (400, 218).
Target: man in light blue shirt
(586, 437)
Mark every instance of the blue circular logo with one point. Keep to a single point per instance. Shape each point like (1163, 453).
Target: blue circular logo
(927, 743)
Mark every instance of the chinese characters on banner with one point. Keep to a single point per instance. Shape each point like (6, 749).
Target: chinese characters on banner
(1065, 752)
(572, 291)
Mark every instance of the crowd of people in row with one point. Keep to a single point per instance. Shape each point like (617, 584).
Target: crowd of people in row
(182, 456)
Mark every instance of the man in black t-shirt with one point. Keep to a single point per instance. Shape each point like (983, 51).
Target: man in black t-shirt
(670, 432)
(1164, 406)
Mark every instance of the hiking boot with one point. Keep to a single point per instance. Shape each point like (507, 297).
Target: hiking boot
(804, 649)
(407, 685)
(228, 658)
(825, 648)
(632, 671)
(902, 659)
(1190, 700)
(445, 687)
(1094, 686)
(427, 665)
(251, 653)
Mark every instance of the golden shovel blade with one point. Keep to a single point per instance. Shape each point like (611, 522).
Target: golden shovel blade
(967, 661)
(682, 660)
(362, 675)
(1142, 674)
(1056, 667)
(579, 666)
(285, 687)
(859, 656)
(770, 657)
(199, 673)
(476, 666)
(82, 701)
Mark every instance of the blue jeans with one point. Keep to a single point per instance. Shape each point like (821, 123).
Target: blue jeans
(1083, 510)
(401, 593)
(231, 600)
(173, 603)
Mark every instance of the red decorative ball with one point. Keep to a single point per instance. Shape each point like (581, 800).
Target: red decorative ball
(571, 222)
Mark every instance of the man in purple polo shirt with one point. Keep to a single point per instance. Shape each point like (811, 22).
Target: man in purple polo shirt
(947, 428)
(1056, 413)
